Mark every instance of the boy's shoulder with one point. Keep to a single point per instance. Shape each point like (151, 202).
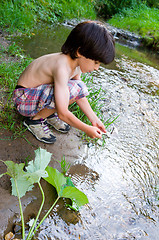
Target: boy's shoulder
(53, 61)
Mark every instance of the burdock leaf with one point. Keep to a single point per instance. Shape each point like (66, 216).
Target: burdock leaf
(55, 178)
(23, 184)
(65, 188)
(36, 167)
(78, 198)
(19, 177)
(14, 170)
(24, 181)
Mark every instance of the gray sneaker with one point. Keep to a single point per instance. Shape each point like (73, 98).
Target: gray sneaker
(57, 123)
(40, 130)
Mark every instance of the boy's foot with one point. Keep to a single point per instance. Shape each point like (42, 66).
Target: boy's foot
(40, 130)
(57, 123)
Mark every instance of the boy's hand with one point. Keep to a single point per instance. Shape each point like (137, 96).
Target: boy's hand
(97, 123)
(93, 132)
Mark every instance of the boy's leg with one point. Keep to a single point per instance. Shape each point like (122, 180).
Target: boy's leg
(77, 90)
(38, 126)
(40, 130)
(52, 119)
(44, 113)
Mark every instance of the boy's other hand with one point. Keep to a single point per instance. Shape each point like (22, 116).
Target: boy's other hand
(97, 123)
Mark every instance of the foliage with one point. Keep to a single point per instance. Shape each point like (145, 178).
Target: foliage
(23, 15)
(152, 3)
(23, 181)
(142, 20)
(106, 8)
(64, 165)
(10, 71)
(94, 100)
(65, 188)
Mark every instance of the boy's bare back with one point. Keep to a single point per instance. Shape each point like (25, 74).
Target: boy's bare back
(44, 70)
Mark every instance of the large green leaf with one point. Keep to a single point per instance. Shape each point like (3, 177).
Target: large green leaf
(24, 181)
(56, 179)
(65, 188)
(18, 177)
(78, 198)
(23, 184)
(37, 167)
(14, 170)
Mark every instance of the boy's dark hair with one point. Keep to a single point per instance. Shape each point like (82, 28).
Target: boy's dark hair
(92, 40)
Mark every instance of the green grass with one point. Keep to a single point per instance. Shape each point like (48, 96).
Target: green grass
(20, 16)
(95, 99)
(141, 20)
(10, 71)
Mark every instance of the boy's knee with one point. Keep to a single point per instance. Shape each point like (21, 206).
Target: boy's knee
(77, 89)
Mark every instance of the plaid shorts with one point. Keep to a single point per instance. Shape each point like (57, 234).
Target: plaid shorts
(29, 101)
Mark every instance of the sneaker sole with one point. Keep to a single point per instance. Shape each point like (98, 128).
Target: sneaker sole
(41, 140)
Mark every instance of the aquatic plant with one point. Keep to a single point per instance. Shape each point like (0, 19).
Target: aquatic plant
(24, 180)
(64, 165)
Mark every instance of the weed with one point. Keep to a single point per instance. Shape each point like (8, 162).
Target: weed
(95, 100)
(64, 165)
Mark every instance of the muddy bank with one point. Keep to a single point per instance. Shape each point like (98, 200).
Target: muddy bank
(19, 150)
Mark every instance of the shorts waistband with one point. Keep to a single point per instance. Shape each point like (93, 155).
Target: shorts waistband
(19, 86)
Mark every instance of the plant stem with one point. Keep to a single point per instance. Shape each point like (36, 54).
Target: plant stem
(42, 203)
(21, 211)
(46, 215)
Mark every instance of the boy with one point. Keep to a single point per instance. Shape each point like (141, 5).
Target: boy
(52, 82)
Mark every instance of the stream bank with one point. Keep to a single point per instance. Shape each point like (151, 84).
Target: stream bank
(18, 150)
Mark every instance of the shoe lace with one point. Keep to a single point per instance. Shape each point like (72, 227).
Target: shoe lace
(56, 116)
(44, 126)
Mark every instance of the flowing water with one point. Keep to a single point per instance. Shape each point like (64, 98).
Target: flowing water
(121, 178)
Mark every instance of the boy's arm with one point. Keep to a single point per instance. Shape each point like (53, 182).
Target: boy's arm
(61, 93)
(88, 111)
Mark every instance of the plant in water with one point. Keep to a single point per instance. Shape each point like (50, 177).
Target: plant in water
(64, 165)
(23, 181)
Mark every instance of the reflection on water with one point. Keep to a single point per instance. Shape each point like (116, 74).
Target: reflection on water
(120, 179)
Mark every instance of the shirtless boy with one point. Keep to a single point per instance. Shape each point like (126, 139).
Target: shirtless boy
(52, 82)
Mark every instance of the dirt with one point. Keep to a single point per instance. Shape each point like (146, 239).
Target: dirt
(19, 150)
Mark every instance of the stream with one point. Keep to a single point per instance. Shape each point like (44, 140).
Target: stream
(121, 178)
